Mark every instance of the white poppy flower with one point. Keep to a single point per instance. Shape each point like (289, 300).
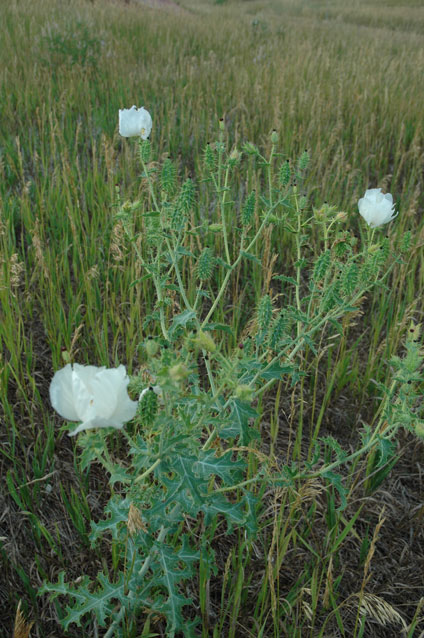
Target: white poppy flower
(376, 207)
(96, 396)
(134, 122)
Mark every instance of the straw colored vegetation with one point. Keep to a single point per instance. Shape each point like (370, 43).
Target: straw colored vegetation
(343, 80)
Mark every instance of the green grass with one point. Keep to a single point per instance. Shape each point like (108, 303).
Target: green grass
(344, 82)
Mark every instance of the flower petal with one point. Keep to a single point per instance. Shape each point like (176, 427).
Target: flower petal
(61, 394)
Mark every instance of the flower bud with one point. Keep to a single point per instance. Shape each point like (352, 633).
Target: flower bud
(151, 346)
(178, 372)
(274, 137)
(235, 156)
(373, 249)
(250, 148)
(148, 405)
(66, 356)
(221, 124)
(419, 430)
(205, 341)
(215, 228)
(341, 217)
(244, 392)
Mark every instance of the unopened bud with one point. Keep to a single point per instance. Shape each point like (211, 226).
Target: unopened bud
(205, 341)
(250, 148)
(274, 137)
(178, 372)
(151, 347)
(221, 124)
(341, 217)
(215, 228)
(373, 249)
(66, 356)
(244, 392)
(235, 156)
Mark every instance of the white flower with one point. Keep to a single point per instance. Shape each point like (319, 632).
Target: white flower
(96, 396)
(134, 122)
(376, 208)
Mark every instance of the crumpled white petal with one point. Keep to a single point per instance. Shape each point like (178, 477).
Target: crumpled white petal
(135, 122)
(96, 396)
(376, 207)
(61, 394)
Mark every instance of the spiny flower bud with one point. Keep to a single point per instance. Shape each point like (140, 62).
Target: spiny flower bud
(342, 216)
(169, 177)
(419, 429)
(215, 228)
(248, 209)
(321, 265)
(151, 346)
(148, 406)
(186, 196)
(221, 124)
(274, 137)
(205, 341)
(414, 331)
(349, 279)
(264, 312)
(145, 150)
(250, 148)
(66, 356)
(406, 242)
(205, 264)
(303, 160)
(302, 202)
(178, 372)
(244, 392)
(277, 331)
(285, 173)
(209, 158)
(234, 158)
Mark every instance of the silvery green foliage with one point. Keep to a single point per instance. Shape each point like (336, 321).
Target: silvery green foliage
(186, 473)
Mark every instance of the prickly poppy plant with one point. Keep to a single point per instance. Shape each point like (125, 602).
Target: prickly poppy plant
(194, 469)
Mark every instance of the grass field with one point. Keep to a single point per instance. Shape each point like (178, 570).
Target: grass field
(331, 556)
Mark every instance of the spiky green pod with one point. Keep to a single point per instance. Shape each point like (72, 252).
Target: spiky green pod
(383, 251)
(186, 196)
(151, 346)
(406, 242)
(205, 264)
(250, 149)
(264, 312)
(145, 150)
(303, 161)
(367, 270)
(248, 209)
(341, 246)
(284, 174)
(169, 177)
(209, 158)
(349, 279)
(277, 331)
(322, 265)
(148, 407)
(177, 218)
(302, 202)
(205, 341)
